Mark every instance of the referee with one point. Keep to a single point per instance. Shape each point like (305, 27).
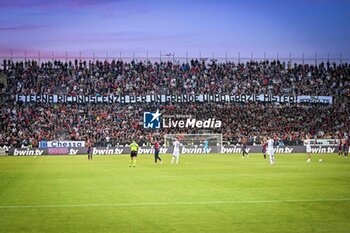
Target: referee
(133, 154)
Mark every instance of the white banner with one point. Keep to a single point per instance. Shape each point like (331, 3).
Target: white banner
(324, 142)
(44, 144)
(3, 151)
(219, 98)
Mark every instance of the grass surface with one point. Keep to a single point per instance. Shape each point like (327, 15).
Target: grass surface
(211, 193)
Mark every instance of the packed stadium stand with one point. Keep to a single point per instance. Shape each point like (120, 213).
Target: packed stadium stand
(112, 124)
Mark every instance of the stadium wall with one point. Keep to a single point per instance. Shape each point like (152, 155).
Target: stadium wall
(149, 150)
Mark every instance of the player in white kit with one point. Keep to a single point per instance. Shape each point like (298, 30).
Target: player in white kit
(270, 152)
(307, 143)
(176, 151)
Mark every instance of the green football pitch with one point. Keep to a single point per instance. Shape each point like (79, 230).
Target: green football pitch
(203, 193)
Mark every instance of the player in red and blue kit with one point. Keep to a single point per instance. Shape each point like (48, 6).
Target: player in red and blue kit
(89, 149)
(345, 147)
(340, 148)
(244, 142)
(156, 152)
(264, 143)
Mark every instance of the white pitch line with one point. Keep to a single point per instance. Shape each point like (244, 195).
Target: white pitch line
(173, 203)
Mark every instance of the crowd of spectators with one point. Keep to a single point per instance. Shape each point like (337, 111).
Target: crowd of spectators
(113, 124)
(119, 124)
(195, 77)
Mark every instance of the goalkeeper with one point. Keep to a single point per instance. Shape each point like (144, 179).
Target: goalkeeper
(206, 146)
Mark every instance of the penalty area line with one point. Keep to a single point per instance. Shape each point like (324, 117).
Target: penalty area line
(173, 203)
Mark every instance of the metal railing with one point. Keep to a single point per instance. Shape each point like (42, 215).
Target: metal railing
(40, 56)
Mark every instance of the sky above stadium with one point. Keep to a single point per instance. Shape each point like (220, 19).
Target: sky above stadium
(182, 26)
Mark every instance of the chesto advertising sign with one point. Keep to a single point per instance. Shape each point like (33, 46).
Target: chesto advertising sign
(45, 144)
